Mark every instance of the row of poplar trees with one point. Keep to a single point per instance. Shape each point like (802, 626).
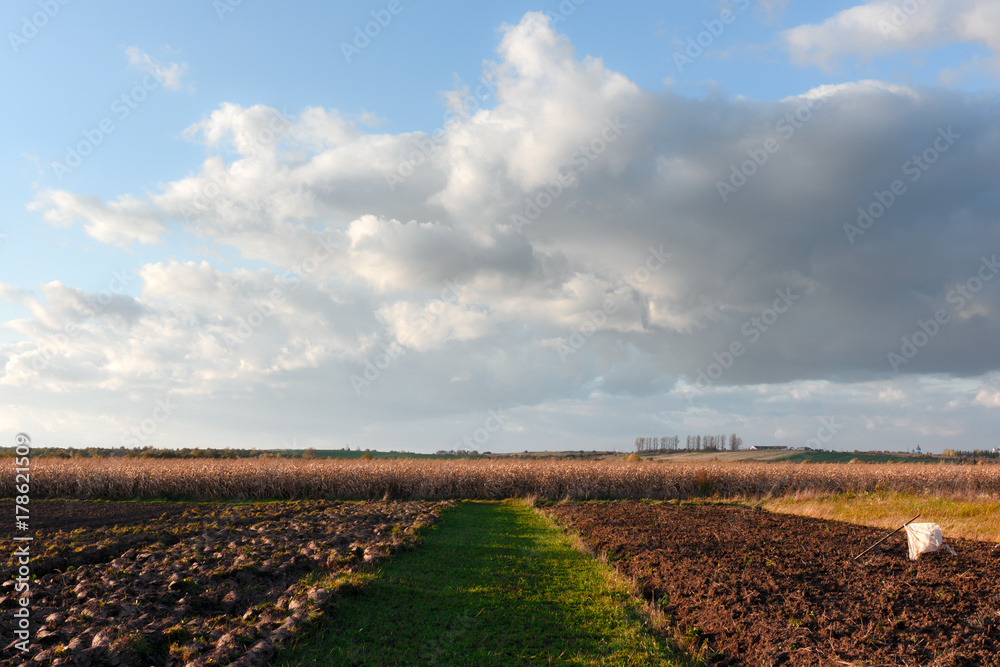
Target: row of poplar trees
(695, 443)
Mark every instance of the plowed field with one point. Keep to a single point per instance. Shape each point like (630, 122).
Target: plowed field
(188, 584)
(772, 589)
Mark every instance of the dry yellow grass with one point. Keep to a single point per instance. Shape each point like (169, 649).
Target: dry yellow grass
(976, 519)
(124, 478)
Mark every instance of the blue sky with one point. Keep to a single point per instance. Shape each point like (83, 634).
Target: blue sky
(291, 145)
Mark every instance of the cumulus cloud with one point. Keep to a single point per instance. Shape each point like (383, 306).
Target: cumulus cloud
(192, 328)
(502, 209)
(581, 238)
(884, 26)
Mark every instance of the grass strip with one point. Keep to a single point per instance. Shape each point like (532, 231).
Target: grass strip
(973, 519)
(493, 584)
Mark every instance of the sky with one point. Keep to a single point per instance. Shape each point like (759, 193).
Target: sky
(418, 225)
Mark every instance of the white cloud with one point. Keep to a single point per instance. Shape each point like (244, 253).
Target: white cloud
(169, 75)
(988, 398)
(119, 222)
(193, 328)
(11, 292)
(254, 132)
(988, 394)
(884, 26)
(430, 326)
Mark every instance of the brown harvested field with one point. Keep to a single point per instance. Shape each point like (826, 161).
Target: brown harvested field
(53, 515)
(770, 589)
(135, 478)
(155, 584)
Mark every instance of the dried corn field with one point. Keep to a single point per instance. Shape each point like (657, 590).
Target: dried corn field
(487, 479)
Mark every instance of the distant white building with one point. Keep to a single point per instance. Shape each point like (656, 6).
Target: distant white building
(769, 447)
(917, 450)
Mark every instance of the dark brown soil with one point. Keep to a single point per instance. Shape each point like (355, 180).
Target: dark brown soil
(772, 589)
(46, 515)
(201, 584)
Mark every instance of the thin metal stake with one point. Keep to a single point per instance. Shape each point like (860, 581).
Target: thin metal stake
(886, 537)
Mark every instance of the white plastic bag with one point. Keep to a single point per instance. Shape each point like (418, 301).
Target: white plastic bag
(924, 538)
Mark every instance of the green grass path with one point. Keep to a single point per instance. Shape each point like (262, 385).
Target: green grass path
(493, 584)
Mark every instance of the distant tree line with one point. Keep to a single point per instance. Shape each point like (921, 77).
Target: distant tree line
(694, 443)
(154, 453)
(974, 454)
(656, 444)
(218, 453)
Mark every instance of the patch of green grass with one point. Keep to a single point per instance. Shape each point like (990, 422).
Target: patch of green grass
(493, 584)
(847, 457)
(145, 649)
